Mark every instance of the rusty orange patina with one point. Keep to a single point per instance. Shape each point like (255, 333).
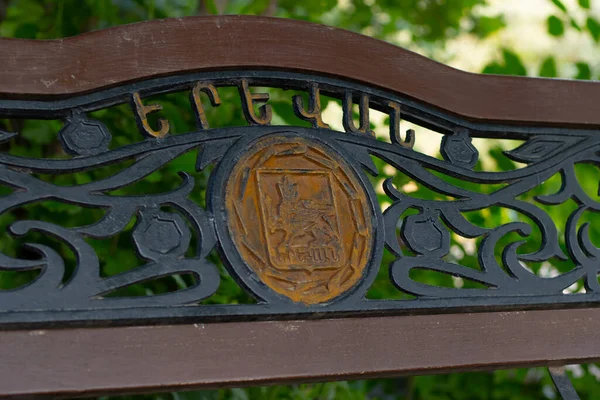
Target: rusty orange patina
(300, 218)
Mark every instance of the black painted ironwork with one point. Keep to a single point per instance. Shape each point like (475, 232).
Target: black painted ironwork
(419, 240)
(563, 383)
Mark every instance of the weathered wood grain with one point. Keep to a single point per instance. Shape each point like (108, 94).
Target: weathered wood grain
(157, 48)
(90, 361)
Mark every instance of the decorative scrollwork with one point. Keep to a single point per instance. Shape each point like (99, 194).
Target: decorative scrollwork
(506, 279)
(299, 198)
(161, 238)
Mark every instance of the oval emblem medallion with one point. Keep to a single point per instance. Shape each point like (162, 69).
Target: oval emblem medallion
(300, 218)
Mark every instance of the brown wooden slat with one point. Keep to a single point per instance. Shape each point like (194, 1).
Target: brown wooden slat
(156, 358)
(149, 49)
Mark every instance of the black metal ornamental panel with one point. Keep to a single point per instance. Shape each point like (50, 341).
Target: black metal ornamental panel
(293, 211)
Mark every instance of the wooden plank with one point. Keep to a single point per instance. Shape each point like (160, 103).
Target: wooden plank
(157, 48)
(88, 361)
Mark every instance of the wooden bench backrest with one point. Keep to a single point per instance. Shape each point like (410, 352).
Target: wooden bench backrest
(291, 211)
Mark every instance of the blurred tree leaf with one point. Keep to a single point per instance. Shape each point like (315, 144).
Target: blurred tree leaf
(584, 4)
(210, 6)
(511, 65)
(593, 27)
(555, 26)
(583, 71)
(548, 68)
(485, 26)
(560, 5)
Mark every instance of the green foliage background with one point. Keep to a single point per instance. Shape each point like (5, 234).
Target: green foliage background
(429, 24)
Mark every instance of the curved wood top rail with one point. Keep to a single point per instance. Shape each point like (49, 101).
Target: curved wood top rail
(157, 48)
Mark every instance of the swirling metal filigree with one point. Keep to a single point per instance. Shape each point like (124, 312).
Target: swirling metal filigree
(417, 231)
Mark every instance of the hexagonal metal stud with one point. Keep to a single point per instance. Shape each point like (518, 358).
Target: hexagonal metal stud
(160, 234)
(424, 234)
(83, 136)
(458, 150)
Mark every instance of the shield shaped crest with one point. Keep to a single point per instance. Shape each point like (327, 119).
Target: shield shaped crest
(300, 218)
